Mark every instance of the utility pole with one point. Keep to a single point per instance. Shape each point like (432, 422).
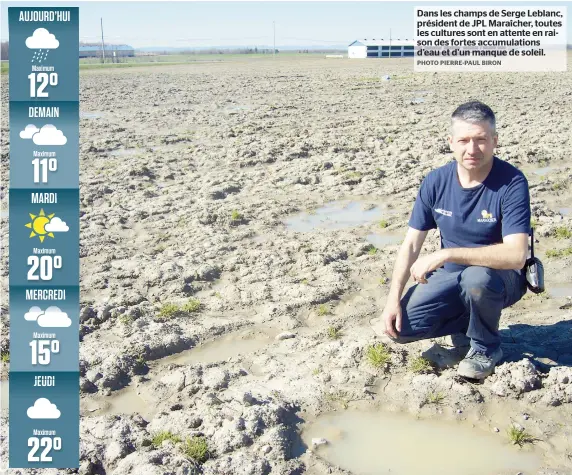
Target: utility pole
(390, 43)
(102, 43)
(274, 48)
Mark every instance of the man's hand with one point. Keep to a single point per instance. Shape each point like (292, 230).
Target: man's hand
(391, 316)
(422, 266)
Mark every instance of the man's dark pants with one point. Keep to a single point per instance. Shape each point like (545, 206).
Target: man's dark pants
(468, 301)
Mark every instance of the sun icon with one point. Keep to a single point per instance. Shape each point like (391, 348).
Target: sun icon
(38, 225)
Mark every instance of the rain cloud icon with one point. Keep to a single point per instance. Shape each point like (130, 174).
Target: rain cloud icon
(42, 39)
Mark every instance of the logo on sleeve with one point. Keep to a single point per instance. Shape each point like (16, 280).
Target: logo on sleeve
(486, 217)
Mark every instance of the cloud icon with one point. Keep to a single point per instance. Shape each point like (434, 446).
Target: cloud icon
(49, 135)
(56, 225)
(42, 39)
(54, 317)
(33, 314)
(43, 409)
(30, 130)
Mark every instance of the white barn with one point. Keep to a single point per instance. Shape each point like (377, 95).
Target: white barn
(372, 48)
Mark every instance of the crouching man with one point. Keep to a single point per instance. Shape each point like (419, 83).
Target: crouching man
(481, 206)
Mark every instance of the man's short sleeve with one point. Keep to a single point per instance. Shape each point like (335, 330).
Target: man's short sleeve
(516, 207)
(422, 216)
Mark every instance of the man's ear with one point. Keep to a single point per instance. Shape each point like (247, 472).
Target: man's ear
(450, 140)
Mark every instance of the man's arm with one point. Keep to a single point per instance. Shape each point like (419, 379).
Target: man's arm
(407, 255)
(511, 254)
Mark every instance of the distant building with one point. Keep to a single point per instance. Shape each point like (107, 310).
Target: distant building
(372, 48)
(94, 51)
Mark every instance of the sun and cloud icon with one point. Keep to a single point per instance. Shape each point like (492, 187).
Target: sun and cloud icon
(43, 225)
(47, 135)
(43, 409)
(41, 40)
(53, 317)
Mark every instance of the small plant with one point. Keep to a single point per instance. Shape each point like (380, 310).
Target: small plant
(420, 365)
(559, 252)
(533, 223)
(197, 449)
(341, 397)
(519, 436)
(434, 397)
(162, 436)
(558, 186)
(5, 357)
(383, 223)
(168, 310)
(140, 360)
(236, 216)
(323, 310)
(372, 251)
(334, 333)
(218, 295)
(193, 305)
(383, 280)
(316, 371)
(125, 319)
(377, 355)
(305, 281)
(562, 232)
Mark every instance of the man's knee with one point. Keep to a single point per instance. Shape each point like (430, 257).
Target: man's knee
(477, 281)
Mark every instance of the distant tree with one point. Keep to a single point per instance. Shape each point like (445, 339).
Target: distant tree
(4, 50)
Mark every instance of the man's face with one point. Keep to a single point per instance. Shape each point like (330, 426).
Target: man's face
(473, 145)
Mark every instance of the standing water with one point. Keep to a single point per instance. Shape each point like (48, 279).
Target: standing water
(368, 443)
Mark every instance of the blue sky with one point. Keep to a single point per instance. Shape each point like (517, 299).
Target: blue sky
(198, 24)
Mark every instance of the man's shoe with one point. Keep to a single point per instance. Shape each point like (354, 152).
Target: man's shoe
(477, 365)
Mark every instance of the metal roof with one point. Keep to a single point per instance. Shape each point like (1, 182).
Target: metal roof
(383, 42)
(107, 47)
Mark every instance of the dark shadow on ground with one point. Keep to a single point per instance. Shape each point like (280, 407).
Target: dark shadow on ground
(545, 345)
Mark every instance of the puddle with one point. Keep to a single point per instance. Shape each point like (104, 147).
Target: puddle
(126, 401)
(382, 240)
(544, 171)
(559, 290)
(417, 100)
(232, 110)
(376, 443)
(564, 211)
(335, 215)
(221, 349)
(125, 152)
(90, 115)
(4, 213)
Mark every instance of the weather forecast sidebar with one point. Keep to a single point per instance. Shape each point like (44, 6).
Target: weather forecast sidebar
(44, 237)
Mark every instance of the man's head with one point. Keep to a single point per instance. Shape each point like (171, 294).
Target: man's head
(473, 135)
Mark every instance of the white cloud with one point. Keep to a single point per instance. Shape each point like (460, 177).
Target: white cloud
(42, 39)
(49, 135)
(54, 317)
(33, 314)
(30, 130)
(43, 409)
(56, 225)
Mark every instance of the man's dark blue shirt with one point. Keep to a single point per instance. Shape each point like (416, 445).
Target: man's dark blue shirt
(473, 217)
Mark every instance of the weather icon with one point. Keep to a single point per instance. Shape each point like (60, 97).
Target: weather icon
(41, 41)
(43, 225)
(47, 135)
(43, 409)
(53, 317)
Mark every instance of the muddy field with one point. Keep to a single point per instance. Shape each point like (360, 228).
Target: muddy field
(239, 223)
